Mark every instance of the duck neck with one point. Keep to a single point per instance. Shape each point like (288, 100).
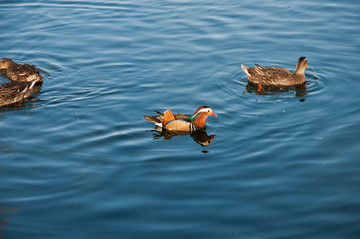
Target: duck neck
(200, 121)
(300, 70)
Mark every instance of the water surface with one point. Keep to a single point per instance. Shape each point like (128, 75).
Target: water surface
(78, 160)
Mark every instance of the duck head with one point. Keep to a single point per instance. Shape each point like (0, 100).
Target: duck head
(301, 65)
(200, 116)
(5, 63)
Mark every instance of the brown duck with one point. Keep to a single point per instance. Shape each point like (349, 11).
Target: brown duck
(277, 75)
(20, 72)
(15, 91)
(182, 122)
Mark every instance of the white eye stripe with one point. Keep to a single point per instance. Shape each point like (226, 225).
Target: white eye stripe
(204, 110)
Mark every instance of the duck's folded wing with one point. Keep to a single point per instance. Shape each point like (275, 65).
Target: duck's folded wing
(184, 117)
(271, 72)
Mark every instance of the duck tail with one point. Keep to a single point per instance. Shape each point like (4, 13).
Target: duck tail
(245, 69)
(153, 119)
(159, 113)
(168, 116)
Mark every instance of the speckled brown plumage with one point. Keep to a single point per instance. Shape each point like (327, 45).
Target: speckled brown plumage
(20, 72)
(277, 75)
(15, 91)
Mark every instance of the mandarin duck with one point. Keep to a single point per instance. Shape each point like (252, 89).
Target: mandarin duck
(15, 92)
(182, 122)
(276, 75)
(20, 72)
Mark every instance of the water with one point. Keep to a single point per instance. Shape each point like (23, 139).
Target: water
(79, 160)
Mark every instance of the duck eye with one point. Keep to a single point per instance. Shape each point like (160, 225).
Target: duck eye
(208, 110)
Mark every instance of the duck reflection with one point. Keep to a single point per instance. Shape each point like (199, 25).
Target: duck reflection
(4, 220)
(199, 136)
(30, 103)
(7, 149)
(258, 89)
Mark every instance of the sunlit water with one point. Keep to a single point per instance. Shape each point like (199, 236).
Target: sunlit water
(78, 160)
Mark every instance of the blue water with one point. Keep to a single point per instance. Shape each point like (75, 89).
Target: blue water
(78, 160)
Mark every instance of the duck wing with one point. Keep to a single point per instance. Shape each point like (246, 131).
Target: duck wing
(268, 75)
(184, 117)
(270, 72)
(180, 121)
(14, 85)
(14, 92)
(23, 69)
